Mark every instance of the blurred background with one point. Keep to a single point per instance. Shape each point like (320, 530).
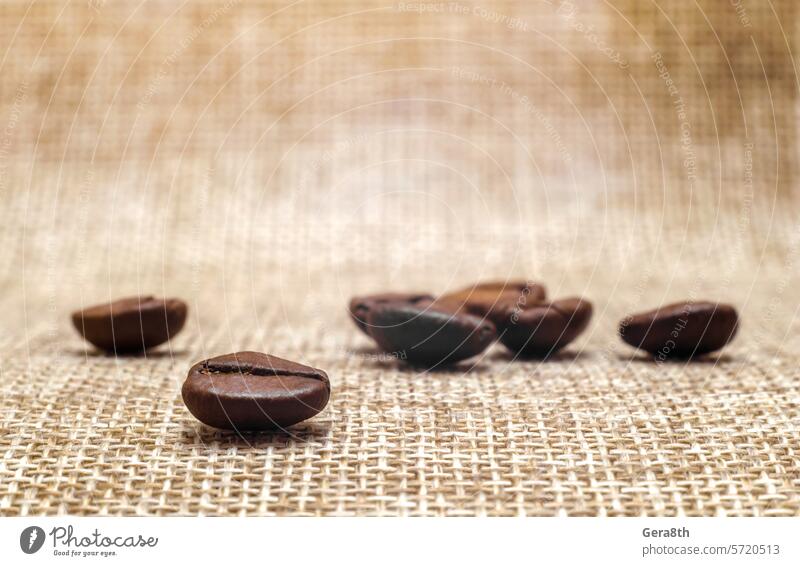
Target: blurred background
(277, 157)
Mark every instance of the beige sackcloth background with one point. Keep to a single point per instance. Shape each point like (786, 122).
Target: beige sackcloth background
(266, 161)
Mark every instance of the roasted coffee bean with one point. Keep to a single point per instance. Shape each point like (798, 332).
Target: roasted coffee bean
(538, 330)
(360, 306)
(681, 330)
(494, 298)
(536, 291)
(254, 391)
(131, 325)
(427, 334)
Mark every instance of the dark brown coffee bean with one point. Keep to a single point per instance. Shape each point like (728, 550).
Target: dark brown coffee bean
(427, 334)
(681, 330)
(539, 330)
(360, 306)
(254, 391)
(131, 325)
(494, 298)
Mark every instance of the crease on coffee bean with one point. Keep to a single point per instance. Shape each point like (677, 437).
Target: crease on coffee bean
(247, 369)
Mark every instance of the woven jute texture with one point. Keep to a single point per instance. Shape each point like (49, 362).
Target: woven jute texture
(266, 161)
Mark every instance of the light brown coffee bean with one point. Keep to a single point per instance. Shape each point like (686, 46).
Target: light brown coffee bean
(539, 330)
(132, 324)
(254, 391)
(493, 299)
(681, 330)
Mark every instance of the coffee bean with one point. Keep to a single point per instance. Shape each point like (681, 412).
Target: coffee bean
(360, 306)
(494, 298)
(132, 324)
(254, 391)
(681, 330)
(538, 330)
(427, 334)
(537, 291)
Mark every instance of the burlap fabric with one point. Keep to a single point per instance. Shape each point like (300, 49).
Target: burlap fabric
(267, 162)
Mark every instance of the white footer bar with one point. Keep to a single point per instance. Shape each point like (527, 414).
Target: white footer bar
(381, 542)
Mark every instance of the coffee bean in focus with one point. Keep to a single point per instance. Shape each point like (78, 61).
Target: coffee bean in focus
(254, 391)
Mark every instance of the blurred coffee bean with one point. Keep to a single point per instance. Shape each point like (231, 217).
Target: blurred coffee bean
(427, 334)
(539, 330)
(132, 324)
(360, 306)
(681, 330)
(494, 298)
